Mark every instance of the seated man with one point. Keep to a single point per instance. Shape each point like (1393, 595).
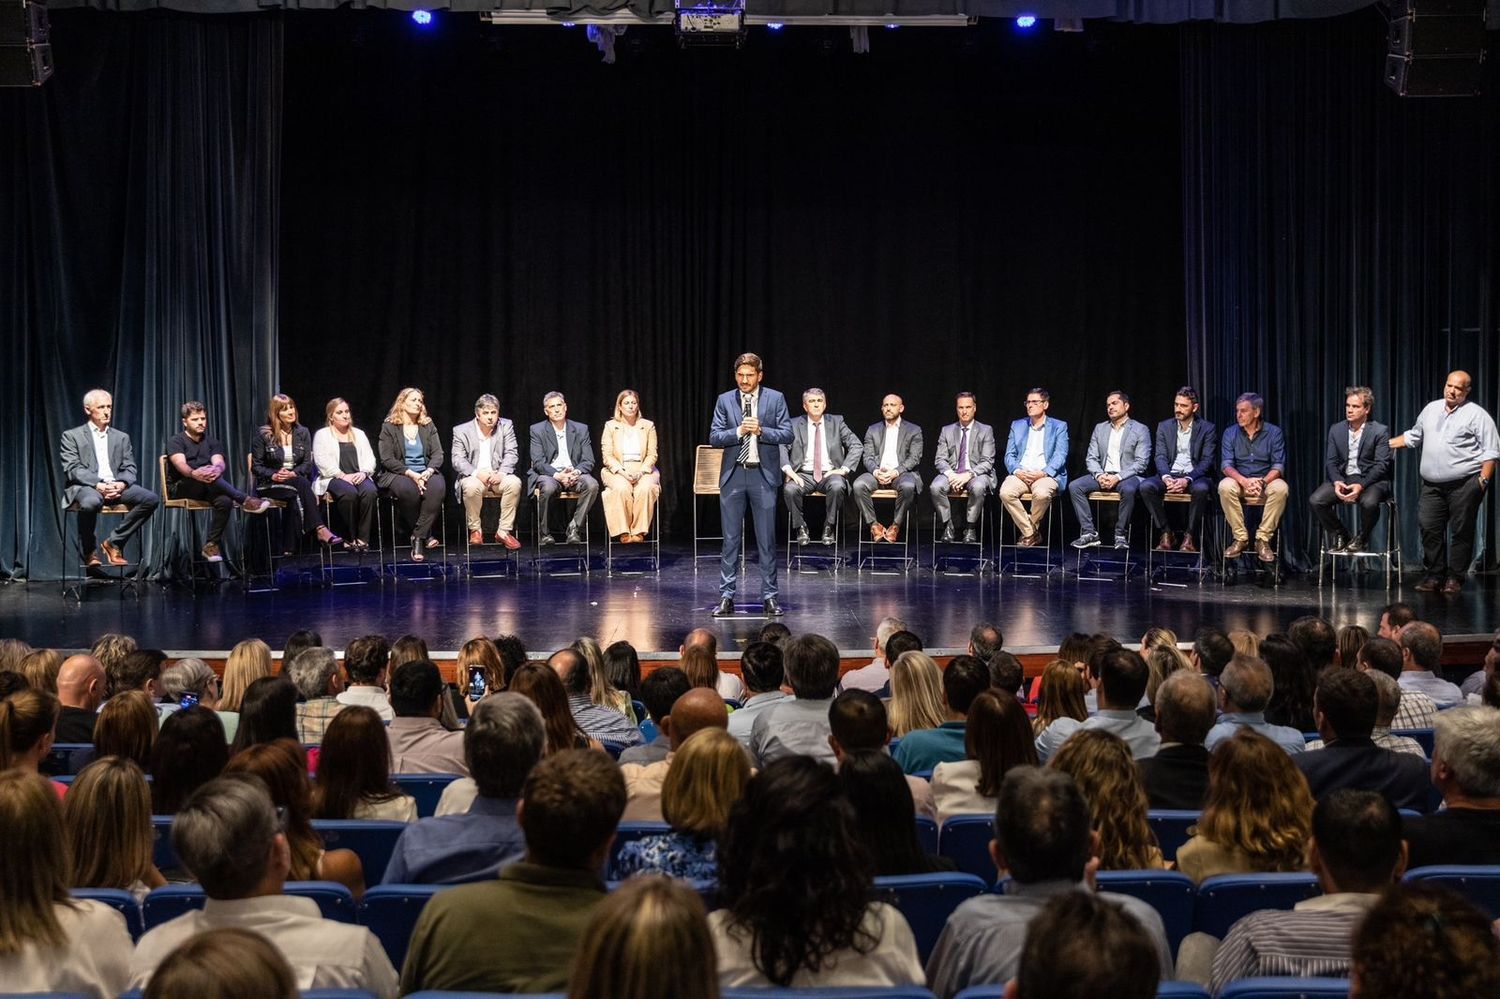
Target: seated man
(1466, 770)
(1082, 946)
(562, 458)
(762, 668)
(230, 838)
(99, 470)
(80, 690)
(485, 456)
(876, 675)
(697, 709)
(570, 806)
(1390, 701)
(195, 470)
(1359, 467)
(1356, 851)
(315, 672)
(1044, 841)
(502, 743)
(1385, 656)
(820, 457)
(419, 742)
(1184, 466)
(799, 727)
(597, 721)
(1177, 776)
(1253, 456)
(1119, 678)
(365, 661)
(892, 454)
(659, 691)
(965, 460)
(857, 722)
(1036, 461)
(1245, 688)
(1421, 658)
(964, 679)
(1119, 454)
(1345, 706)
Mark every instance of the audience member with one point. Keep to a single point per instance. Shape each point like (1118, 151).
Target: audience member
(1119, 677)
(1156, 637)
(1177, 776)
(248, 661)
(1101, 766)
(479, 656)
(1421, 656)
(885, 815)
(1101, 644)
(1415, 709)
(1424, 941)
(1081, 946)
(1390, 694)
(1162, 660)
(1044, 842)
(1473, 686)
(659, 692)
(27, 720)
(1246, 688)
(227, 964)
(189, 752)
(11, 683)
(570, 806)
(1245, 642)
(729, 685)
(503, 741)
(1211, 652)
(419, 742)
(40, 667)
(1394, 617)
(13, 652)
(800, 726)
(1258, 813)
(1317, 640)
(512, 657)
(623, 667)
(268, 712)
(1466, 771)
(698, 709)
(916, 700)
(315, 672)
(1007, 673)
(296, 642)
(774, 633)
(997, 738)
(540, 686)
(876, 676)
(127, 727)
(1351, 638)
(110, 649)
(648, 940)
(80, 690)
(354, 771)
(365, 661)
(762, 669)
(701, 668)
(229, 837)
(1292, 681)
(598, 722)
(602, 692)
(1346, 706)
(964, 679)
(1060, 694)
(140, 670)
(107, 819)
(857, 723)
(408, 648)
(984, 641)
(195, 677)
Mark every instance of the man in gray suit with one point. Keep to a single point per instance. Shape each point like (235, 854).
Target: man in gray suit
(820, 457)
(562, 456)
(99, 469)
(1359, 466)
(965, 459)
(1119, 452)
(893, 450)
(485, 455)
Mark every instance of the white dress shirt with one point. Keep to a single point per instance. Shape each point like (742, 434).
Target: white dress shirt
(370, 697)
(1351, 467)
(94, 959)
(1183, 462)
(563, 459)
(890, 451)
(1034, 458)
(101, 452)
(1112, 450)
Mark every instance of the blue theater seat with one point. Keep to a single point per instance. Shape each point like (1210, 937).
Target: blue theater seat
(372, 840)
(119, 899)
(165, 904)
(1171, 828)
(1227, 897)
(390, 912)
(1170, 893)
(927, 833)
(927, 900)
(1480, 885)
(1286, 988)
(426, 788)
(966, 839)
(1164, 990)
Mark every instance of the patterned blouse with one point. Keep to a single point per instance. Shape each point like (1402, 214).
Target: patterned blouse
(676, 854)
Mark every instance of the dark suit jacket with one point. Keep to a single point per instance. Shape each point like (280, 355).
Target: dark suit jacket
(775, 430)
(544, 450)
(844, 449)
(981, 448)
(1362, 765)
(81, 466)
(391, 452)
(1375, 463)
(265, 456)
(1176, 777)
(908, 446)
(1200, 445)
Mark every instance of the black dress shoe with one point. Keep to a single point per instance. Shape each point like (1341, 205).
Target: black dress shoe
(546, 539)
(1430, 584)
(574, 536)
(1340, 543)
(947, 536)
(802, 536)
(828, 536)
(771, 607)
(725, 608)
(971, 536)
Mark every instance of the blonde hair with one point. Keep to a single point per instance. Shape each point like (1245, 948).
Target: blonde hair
(33, 865)
(1063, 689)
(1101, 765)
(1246, 643)
(1258, 803)
(397, 415)
(107, 819)
(647, 940)
(229, 963)
(601, 691)
(1163, 661)
(621, 398)
(707, 776)
(1157, 636)
(13, 652)
(127, 726)
(248, 661)
(701, 667)
(26, 718)
(40, 667)
(916, 693)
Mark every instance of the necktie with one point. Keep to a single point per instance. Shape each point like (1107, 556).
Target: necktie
(748, 441)
(818, 453)
(963, 450)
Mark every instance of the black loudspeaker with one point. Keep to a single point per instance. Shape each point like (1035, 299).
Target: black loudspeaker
(1437, 48)
(25, 53)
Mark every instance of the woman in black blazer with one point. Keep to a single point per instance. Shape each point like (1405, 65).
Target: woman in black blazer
(281, 460)
(410, 455)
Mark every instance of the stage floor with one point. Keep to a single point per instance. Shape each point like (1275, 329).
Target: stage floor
(653, 612)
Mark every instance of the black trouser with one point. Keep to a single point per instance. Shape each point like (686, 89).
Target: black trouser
(415, 507)
(833, 487)
(142, 503)
(1325, 503)
(220, 492)
(356, 505)
(1447, 507)
(301, 514)
(1201, 491)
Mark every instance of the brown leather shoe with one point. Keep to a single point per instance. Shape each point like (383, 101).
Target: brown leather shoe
(1453, 585)
(877, 533)
(1031, 540)
(1164, 543)
(1263, 550)
(113, 554)
(1237, 548)
(892, 533)
(510, 541)
(477, 538)
(1430, 584)
(1187, 545)
(93, 560)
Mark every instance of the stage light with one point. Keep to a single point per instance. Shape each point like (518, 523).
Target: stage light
(1026, 21)
(775, 25)
(891, 27)
(569, 24)
(422, 17)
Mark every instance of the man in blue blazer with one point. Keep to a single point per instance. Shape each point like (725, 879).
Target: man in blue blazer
(1036, 458)
(1119, 454)
(750, 424)
(562, 460)
(99, 469)
(1184, 465)
(1358, 465)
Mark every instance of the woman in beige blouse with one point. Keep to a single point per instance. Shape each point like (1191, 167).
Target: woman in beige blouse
(631, 481)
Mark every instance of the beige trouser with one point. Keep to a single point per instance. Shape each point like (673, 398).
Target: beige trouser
(473, 493)
(628, 508)
(1274, 495)
(1042, 491)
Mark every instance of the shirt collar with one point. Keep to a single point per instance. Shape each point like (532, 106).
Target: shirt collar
(259, 904)
(1041, 889)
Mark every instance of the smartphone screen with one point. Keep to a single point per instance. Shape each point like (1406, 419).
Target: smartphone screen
(188, 700)
(476, 683)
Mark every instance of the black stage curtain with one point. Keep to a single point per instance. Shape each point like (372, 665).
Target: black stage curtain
(1336, 234)
(138, 244)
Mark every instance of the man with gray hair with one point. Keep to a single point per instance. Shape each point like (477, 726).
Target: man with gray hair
(1466, 770)
(1253, 456)
(99, 470)
(562, 458)
(316, 675)
(1177, 776)
(502, 742)
(1245, 688)
(1421, 655)
(230, 839)
(597, 721)
(485, 456)
(875, 676)
(822, 453)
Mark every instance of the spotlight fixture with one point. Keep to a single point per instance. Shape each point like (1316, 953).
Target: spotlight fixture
(422, 17)
(1026, 21)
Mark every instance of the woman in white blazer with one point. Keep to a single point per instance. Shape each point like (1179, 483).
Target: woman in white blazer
(346, 471)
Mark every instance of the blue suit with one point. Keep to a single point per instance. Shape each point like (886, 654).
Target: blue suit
(1054, 447)
(741, 484)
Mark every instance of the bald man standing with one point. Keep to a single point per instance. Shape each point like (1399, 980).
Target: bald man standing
(1459, 448)
(80, 687)
(698, 709)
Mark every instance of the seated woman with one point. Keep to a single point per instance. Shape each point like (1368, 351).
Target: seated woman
(481, 656)
(707, 776)
(795, 880)
(268, 713)
(107, 815)
(410, 456)
(128, 726)
(648, 940)
(190, 751)
(884, 814)
(627, 450)
(1061, 695)
(1258, 814)
(346, 472)
(354, 771)
(195, 677)
(996, 738)
(28, 719)
(702, 669)
(1101, 765)
(281, 460)
(50, 942)
(916, 694)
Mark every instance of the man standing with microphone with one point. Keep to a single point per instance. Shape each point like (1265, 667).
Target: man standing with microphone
(750, 423)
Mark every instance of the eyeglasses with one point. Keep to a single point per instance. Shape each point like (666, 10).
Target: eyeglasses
(1035, 402)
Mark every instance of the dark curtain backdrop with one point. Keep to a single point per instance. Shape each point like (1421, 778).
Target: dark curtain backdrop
(1336, 234)
(138, 247)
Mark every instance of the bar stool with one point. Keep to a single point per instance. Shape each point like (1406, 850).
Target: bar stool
(905, 561)
(198, 567)
(1050, 520)
(539, 562)
(1228, 569)
(1391, 552)
(1105, 554)
(432, 566)
(272, 557)
(974, 551)
(816, 553)
(495, 560)
(1195, 563)
(123, 576)
(328, 556)
(647, 552)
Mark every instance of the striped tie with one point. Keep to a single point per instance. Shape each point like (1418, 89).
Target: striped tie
(748, 441)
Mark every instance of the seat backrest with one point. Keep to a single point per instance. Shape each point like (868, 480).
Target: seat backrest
(374, 841)
(708, 461)
(391, 911)
(67, 758)
(1478, 884)
(1164, 990)
(927, 833)
(966, 838)
(855, 992)
(1170, 893)
(1171, 828)
(427, 789)
(1423, 737)
(121, 901)
(165, 904)
(1225, 898)
(1286, 988)
(927, 900)
(163, 857)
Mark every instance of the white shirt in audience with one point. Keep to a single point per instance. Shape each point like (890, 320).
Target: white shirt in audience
(893, 961)
(402, 808)
(369, 697)
(730, 687)
(955, 791)
(95, 961)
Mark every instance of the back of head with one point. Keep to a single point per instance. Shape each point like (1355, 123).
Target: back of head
(1316, 638)
(1042, 826)
(1163, 660)
(26, 718)
(228, 963)
(190, 751)
(540, 685)
(761, 667)
(648, 939)
(1074, 648)
(701, 668)
(1185, 709)
(707, 776)
(701, 638)
(34, 864)
(365, 658)
(1349, 703)
(857, 719)
(812, 667)
(660, 690)
(1424, 643)
(502, 743)
(883, 811)
(40, 667)
(1358, 835)
(223, 835)
(698, 709)
(1062, 692)
(623, 667)
(1082, 946)
(408, 649)
(512, 656)
(268, 712)
(1106, 774)
(965, 679)
(1423, 939)
(354, 764)
(1467, 742)
(573, 670)
(1247, 684)
(1258, 802)
(916, 693)
(985, 640)
(1351, 638)
(137, 670)
(312, 670)
(111, 649)
(297, 642)
(1214, 650)
(415, 688)
(901, 642)
(186, 676)
(1381, 654)
(107, 817)
(1123, 676)
(1389, 693)
(1397, 615)
(128, 727)
(775, 634)
(13, 652)
(887, 627)
(570, 805)
(1006, 672)
(998, 735)
(248, 661)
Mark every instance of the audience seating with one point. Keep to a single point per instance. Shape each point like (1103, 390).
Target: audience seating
(374, 841)
(966, 839)
(164, 904)
(1225, 898)
(873, 992)
(427, 789)
(927, 900)
(1423, 736)
(1286, 988)
(162, 854)
(1170, 893)
(927, 833)
(67, 758)
(1164, 990)
(1171, 828)
(707, 889)
(120, 900)
(390, 912)
(1480, 885)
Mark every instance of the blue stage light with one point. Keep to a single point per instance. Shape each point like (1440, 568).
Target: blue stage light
(569, 24)
(775, 25)
(422, 17)
(1026, 21)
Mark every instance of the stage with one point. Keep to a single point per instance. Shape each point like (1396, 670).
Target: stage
(653, 612)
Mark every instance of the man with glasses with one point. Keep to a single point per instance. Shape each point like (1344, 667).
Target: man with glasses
(1036, 458)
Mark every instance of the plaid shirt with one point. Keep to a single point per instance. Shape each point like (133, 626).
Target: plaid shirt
(313, 718)
(1415, 711)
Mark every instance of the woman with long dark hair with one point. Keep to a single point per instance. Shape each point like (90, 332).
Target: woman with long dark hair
(281, 458)
(996, 738)
(885, 814)
(268, 712)
(542, 687)
(354, 771)
(190, 752)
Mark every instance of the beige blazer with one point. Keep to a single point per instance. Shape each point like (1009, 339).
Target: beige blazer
(609, 447)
